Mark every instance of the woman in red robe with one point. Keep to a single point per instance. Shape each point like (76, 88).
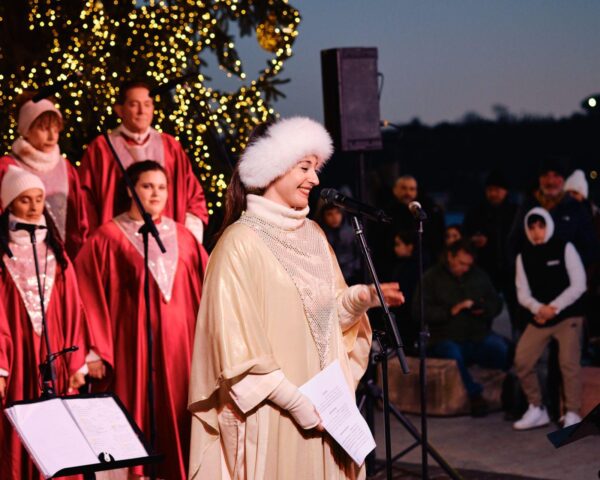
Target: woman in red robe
(110, 268)
(37, 151)
(22, 346)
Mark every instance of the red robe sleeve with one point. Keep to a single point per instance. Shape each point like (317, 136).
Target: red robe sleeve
(6, 345)
(77, 222)
(193, 201)
(91, 274)
(94, 183)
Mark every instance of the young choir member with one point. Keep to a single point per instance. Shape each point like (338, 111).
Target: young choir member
(110, 268)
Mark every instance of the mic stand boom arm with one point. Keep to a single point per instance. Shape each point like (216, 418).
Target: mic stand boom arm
(386, 341)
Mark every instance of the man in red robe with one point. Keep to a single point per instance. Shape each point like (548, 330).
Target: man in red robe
(110, 269)
(135, 140)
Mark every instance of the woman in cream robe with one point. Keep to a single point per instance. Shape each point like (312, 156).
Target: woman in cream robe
(275, 309)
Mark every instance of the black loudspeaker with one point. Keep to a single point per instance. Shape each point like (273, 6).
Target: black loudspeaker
(351, 98)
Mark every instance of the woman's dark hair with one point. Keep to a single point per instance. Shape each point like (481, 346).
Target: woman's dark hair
(535, 218)
(465, 245)
(235, 197)
(408, 237)
(134, 171)
(52, 238)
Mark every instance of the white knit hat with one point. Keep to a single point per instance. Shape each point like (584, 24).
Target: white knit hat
(281, 147)
(30, 111)
(577, 183)
(16, 181)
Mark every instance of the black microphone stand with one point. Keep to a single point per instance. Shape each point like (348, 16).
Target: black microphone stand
(385, 341)
(148, 228)
(423, 336)
(47, 370)
(394, 342)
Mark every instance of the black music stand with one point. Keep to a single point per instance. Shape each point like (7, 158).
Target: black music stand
(105, 459)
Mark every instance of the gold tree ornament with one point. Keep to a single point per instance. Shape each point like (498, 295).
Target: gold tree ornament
(269, 34)
(109, 41)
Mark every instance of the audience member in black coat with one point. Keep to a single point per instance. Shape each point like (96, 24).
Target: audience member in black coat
(341, 237)
(488, 226)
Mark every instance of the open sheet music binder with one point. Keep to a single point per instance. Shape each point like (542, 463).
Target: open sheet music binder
(79, 434)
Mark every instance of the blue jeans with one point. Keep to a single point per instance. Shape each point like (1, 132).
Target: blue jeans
(491, 352)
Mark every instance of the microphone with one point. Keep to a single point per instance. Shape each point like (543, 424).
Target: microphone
(417, 211)
(171, 84)
(49, 90)
(350, 205)
(28, 227)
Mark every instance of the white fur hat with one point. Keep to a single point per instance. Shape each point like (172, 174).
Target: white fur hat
(577, 182)
(16, 181)
(30, 111)
(281, 147)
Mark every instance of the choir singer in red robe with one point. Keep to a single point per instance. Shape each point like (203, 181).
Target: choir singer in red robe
(135, 140)
(36, 150)
(110, 268)
(22, 346)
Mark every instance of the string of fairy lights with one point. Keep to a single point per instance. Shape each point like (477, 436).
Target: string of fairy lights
(108, 41)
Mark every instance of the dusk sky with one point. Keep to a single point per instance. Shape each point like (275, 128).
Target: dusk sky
(442, 59)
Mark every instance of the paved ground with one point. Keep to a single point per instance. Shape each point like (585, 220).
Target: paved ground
(490, 444)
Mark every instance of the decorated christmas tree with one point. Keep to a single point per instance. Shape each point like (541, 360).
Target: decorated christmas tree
(107, 41)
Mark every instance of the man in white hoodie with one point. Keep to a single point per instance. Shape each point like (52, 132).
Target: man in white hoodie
(550, 280)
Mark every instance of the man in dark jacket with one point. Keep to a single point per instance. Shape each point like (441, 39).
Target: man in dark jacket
(460, 303)
(488, 226)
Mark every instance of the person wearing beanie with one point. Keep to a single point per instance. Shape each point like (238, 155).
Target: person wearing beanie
(275, 312)
(550, 280)
(488, 225)
(577, 186)
(22, 347)
(135, 140)
(110, 269)
(36, 150)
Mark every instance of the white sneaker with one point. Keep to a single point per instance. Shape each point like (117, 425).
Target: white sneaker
(570, 418)
(534, 417)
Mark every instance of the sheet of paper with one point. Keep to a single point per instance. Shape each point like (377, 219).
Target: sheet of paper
(106, 427)
(341, 418)
(51, 436)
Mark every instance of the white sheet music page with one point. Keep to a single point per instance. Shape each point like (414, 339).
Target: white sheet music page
(106, 427)
(341, 418)
(51, 436)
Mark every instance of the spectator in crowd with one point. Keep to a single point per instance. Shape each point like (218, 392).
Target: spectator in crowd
(405, 191)
(488, 225)
(550, 281)
(135, 140)
(452, 233)
(459, 305)
(36, 150)
(572, 223)
(406, 272)
(341, 237)
(577, 186)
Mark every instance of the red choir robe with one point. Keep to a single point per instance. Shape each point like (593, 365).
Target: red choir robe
(76, 222)
(100, 178)
(111, 277)
(21, 350)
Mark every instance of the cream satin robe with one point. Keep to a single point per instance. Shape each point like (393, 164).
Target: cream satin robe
(252, 323)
